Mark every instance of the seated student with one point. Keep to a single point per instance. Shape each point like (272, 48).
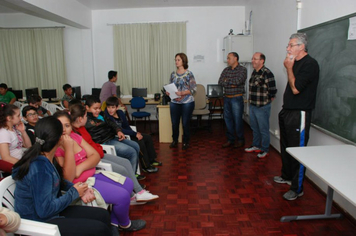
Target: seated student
(78, 161)
(38, 187)
(5, 95)
(36, 101)
(119, 165)
(67, 95)
(13, 135)
(9, 221)
(30, 115)
(144, 140)
(103, 131)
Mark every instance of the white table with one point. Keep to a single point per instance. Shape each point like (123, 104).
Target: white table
(336, 166)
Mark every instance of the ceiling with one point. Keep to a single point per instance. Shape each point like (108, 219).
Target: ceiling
(116, 4)
(119, 4)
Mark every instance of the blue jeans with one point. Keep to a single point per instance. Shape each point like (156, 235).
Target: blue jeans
(185, 111)
(233, 112)
(259, 122)
(127, 149)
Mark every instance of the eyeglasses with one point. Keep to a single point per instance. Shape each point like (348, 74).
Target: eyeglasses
(292, 45)
(31, 114)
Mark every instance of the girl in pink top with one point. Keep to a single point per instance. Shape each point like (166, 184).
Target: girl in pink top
(13, 136)
(78, 160)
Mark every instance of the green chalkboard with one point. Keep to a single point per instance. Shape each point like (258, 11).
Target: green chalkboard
(335, 110)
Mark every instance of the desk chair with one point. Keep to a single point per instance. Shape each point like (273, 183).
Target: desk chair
(139, 103)
(200, 105)
(27, 227)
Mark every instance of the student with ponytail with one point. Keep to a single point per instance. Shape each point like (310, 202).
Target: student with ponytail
(38, 187)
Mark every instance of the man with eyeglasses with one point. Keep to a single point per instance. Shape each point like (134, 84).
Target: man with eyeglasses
(29, 114)
(295, 116)
(262, 91)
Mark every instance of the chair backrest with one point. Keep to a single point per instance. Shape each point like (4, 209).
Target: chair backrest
(45, 105)
(7, 189)
(109, 149)
(53, 108)
(18, 104)
(200, 97)
(138, 103)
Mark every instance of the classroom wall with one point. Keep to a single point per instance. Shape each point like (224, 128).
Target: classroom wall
(206, 28)
(77, 47)
(273, 29)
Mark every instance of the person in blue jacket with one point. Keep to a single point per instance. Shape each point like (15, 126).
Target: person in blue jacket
(39, 184)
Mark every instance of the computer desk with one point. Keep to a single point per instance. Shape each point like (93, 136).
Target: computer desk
(150, 101)
(336, 166)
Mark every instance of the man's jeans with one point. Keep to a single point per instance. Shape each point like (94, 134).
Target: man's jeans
(127, 149)
(259, 122)
(233, 112)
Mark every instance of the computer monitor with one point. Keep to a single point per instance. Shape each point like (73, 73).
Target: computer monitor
(49, 93)
(18, 94)
(214, 91)
(96, 92)
(139, 92)
(77, 92)
(31, 91)
(118, 92)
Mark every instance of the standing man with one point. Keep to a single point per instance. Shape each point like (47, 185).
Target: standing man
(295, 116)
(109, 88)
(233, 80)
(262, 91)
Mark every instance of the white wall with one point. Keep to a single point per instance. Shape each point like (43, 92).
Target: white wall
(271, 33)
(77, 47)
(206, 28)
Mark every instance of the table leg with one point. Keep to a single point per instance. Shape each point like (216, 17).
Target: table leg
(326, 215)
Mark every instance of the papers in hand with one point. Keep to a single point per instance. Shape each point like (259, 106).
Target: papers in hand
(171, 89)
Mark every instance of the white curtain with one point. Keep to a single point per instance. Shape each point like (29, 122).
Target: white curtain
(144, 53)
(32, 58)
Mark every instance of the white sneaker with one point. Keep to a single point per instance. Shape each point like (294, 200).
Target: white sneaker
(145, 196)
(262, 155)
(133, 201)
(253, 149)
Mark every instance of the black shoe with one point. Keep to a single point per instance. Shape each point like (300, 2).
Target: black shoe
(239, 144)
(185, 146)
(227, 144)
(140, 177)
(135, 226)
(173, 144)
(156, 163)
(150, 169)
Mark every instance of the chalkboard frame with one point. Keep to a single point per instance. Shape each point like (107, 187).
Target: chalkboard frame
(315, 27)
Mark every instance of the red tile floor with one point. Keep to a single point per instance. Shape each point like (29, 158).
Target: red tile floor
(208, 190)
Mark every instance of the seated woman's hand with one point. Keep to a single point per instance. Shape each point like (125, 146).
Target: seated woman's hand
(81, 188)
(88, 196)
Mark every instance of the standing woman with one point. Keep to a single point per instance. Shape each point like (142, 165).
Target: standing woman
(182, 106)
